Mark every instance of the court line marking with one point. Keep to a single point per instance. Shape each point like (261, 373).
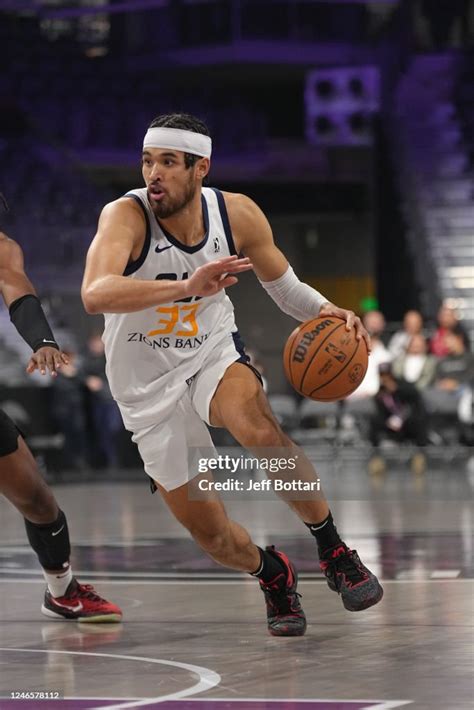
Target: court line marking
(389, 704)
(224, 582)
(162, 538)
(382, 704)
(187, 576)
(445, 574)
(208, 679)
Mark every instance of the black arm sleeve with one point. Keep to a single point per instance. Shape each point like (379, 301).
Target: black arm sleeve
(29, 319)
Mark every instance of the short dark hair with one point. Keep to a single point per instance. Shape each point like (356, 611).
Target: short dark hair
(185, 122)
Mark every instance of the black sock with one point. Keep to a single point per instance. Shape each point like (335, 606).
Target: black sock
(50, 542)
(269, 568)
(325, 533)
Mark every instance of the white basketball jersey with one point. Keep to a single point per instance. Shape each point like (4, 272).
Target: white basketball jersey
(151, 353)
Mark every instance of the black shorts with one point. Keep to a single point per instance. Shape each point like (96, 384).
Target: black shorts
(9, 434)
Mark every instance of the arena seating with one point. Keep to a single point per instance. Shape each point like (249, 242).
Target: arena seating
(436, 178)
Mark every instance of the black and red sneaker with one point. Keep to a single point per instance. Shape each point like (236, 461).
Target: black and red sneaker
(285, 617)
(81, 603)
(346, 575)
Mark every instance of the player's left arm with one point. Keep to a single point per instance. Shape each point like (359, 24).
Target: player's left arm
(254, 238)
(25, 310)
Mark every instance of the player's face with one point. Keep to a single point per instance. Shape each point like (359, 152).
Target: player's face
(170, 185)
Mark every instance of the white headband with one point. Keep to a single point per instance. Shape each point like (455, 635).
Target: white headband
(177, 139)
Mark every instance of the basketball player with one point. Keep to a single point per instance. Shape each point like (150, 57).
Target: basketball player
(157, 268)
(20, 480)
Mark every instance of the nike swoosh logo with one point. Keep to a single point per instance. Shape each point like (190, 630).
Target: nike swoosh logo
(49, 341)
(53, 534)
(78, 606)
(158, 250)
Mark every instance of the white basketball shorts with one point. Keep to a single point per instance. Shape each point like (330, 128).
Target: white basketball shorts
(164, 447)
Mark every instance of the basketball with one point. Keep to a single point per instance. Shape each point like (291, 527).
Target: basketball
(323, 360)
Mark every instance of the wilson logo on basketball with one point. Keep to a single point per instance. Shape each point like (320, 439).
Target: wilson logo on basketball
(302, 349)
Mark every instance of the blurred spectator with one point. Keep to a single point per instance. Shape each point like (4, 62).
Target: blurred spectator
(68, 414)
(104, 416)
(452, 390)
(400, 413)
(374, 322)
(448, 322)
(457, 368)
(416, 365)
(412, 325)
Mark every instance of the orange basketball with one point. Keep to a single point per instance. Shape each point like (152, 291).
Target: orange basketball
(323, 360)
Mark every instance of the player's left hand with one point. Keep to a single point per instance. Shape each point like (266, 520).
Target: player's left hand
(47, 360)
(352, 321)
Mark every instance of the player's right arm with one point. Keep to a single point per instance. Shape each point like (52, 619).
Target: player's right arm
(120, 233)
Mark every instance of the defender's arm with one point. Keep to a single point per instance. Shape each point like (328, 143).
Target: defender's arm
(25, 309)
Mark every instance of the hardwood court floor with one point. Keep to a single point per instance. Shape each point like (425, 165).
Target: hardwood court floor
(194, 635)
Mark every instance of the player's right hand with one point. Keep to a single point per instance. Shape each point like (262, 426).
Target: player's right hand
(211, 278)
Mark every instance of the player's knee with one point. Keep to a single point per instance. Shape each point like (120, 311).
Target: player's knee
(37, 504)
(214, 542)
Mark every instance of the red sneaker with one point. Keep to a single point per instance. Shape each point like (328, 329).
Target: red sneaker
(285, 617)
(358, 586)
(81, 603)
